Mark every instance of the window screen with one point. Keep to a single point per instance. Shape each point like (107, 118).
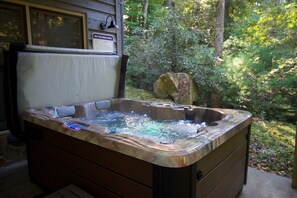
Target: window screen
(12, 24)
(56, 29)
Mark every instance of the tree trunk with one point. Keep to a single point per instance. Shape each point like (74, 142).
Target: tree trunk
(145, 10)
(171, 4)
(219, 36)
(215, 101)
(219, 41)
(294, 176)
(174, 54)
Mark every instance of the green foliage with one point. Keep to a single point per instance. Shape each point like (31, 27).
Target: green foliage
(264, 83)
(283, 78)
(172, 42)
(276, 26)
(133, 14)
(260, 63)
(272, 146)
(259, 69)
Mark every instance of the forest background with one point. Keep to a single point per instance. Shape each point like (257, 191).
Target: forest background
(243, 53)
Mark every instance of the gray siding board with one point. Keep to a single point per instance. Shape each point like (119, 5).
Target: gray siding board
(97, 15)
(75, 6)
(97, 6)
(94, 25)
(111, 2)
(119, 19)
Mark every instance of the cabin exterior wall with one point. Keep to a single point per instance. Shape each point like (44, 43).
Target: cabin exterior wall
(93, 12)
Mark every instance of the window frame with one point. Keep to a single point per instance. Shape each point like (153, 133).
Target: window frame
(27, 25)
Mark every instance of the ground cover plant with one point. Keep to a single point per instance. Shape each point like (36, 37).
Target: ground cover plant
(272, 146)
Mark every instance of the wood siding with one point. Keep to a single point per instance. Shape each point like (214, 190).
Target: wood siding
(95, 11)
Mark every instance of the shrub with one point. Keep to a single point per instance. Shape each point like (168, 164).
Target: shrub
(169, 45)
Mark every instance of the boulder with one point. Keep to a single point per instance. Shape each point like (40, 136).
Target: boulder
(178, 86)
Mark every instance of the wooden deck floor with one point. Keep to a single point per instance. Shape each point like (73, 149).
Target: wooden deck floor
(15, 182)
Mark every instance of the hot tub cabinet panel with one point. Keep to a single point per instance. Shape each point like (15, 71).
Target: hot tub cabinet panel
(109, 172)
(57, 160)
(225, 165)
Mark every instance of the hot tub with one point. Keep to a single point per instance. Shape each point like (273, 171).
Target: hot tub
(186, 151)
(206, 162)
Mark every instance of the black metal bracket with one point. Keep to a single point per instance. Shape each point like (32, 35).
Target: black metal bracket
(199, 175)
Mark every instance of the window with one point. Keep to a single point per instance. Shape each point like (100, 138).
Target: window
(56, 29)
(12, 24)
(41, 25)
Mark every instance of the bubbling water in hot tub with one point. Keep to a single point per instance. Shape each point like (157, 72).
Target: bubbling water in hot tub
(141, 125)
